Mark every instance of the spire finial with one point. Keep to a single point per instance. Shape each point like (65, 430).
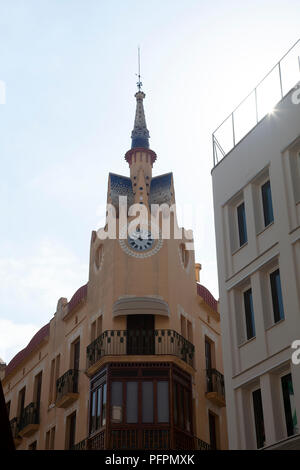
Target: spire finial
(139, 83)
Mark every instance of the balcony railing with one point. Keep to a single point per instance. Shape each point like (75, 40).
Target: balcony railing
(140, 342)
(148, 439)
(29, 419)
(67, 384)
(14, 425)
(215, 388)
(281, 79)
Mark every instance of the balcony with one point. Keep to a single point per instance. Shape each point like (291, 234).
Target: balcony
(146, 439)
(215, 389)
(29, 420)
(14, 424)
(67, 389)
(139, 343)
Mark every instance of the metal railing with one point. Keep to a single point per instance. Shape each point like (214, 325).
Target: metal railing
(14, 424)
(215, 382)
(67, 383)
(30, 415)
(147, 439)
(279, 81)
(140, 342)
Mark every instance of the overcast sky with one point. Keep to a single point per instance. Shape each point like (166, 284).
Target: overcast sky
(69, 69)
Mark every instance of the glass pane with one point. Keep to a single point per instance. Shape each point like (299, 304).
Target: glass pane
(289, 405)
(242, 224)
(259, 418)
(116, 401)
(132, 402)
(99, 404)
(267, 203)
(249, 313)
(175, 404)
(163, 402)
(104, 405)
(276, 296)
(147, 391)
(93, 411)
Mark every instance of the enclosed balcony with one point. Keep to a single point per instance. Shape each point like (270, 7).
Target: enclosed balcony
(29, 420)
(14, 424)
(215, 388)
(139, 343)
(67, 388)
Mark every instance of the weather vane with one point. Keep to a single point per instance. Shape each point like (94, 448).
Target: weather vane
(139, 83)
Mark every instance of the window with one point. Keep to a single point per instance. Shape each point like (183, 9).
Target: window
(50, 439)
(267, 203)
(182, 408)
(116, 402)
(289, 405)
(147, 402)
(242, 227)
(54, 374)
(38, 390)
(71, 429)
(258, 418)
(21, 402)
(276, 292)
(132, 402)
(212, 419)
(75, 354)
(163, 401)
(249, 314)
(98, 407)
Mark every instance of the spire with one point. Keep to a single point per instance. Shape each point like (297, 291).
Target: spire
(140, 134)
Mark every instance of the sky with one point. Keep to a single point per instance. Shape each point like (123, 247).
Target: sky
(69, 69)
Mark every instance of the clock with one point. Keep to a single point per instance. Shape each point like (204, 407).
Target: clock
(141, 240)
(140, 243)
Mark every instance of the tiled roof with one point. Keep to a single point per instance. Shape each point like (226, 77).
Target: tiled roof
(35, 341)
(207, 297)
(160, 189)
(79, 295)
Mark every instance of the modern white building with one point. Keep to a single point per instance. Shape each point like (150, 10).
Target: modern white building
(256, 188)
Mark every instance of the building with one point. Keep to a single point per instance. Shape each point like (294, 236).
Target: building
(133, 359)
(256, 188)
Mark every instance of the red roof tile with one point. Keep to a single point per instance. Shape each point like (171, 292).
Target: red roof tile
(34, 342)
(207, 297)
(79, 295)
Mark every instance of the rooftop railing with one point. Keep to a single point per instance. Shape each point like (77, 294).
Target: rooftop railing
(280, 80)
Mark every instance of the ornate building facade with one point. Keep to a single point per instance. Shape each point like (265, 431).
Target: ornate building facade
(133, 360)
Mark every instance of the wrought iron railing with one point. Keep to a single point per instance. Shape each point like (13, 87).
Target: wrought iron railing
(82, 445)
(30, 415)
(147, 439)
(140, 342)
(67, 383)
(280, 80)
(14, 424)
(215, 382)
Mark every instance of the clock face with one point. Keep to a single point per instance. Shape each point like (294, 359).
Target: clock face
(140, 240)
(140, 243)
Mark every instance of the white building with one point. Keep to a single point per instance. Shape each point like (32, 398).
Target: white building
(256, 188)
